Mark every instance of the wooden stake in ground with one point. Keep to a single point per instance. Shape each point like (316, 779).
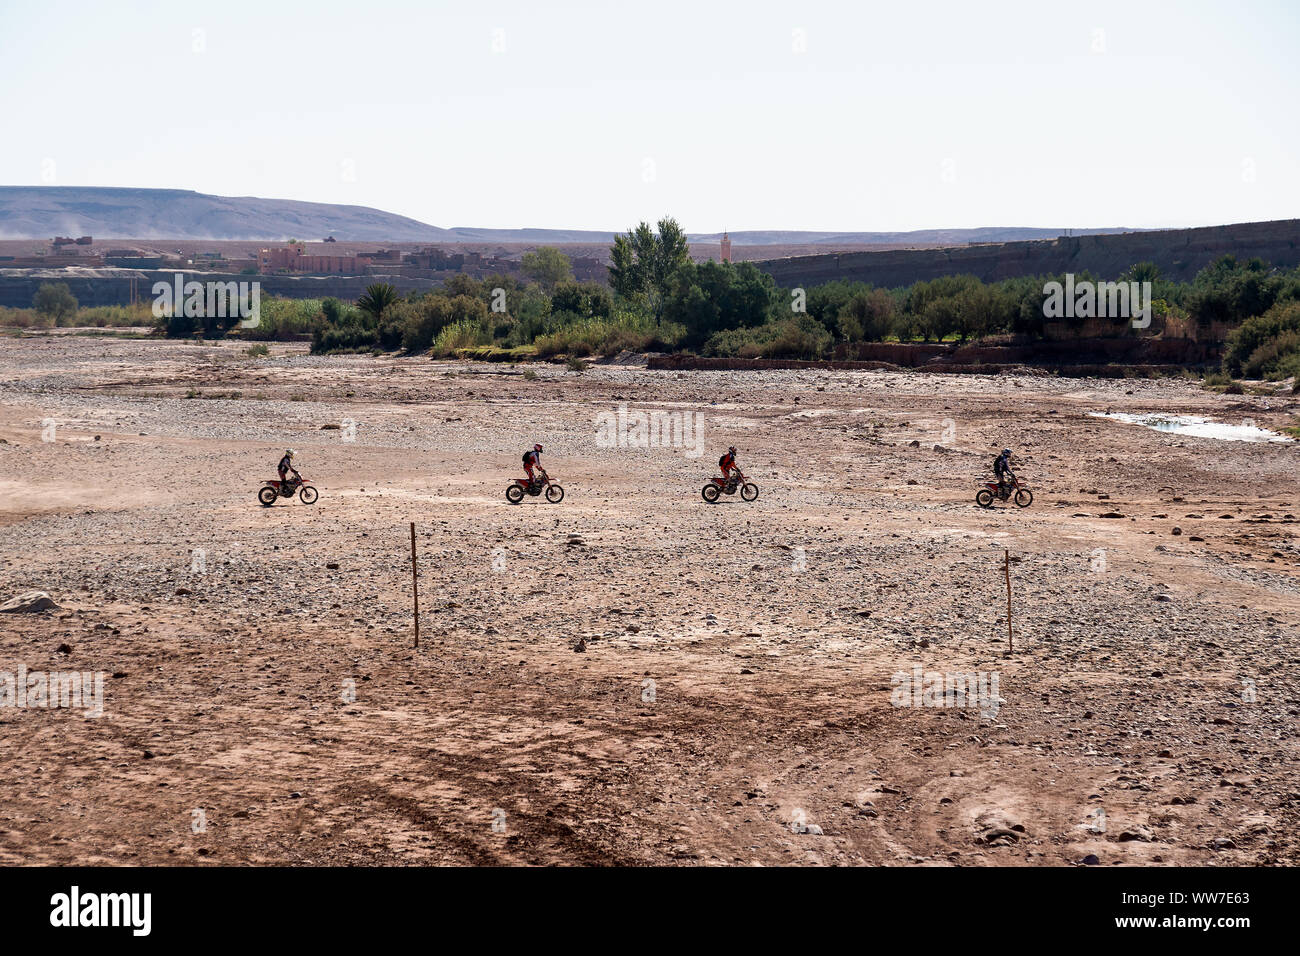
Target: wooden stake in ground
(1007, 568)
(415, 588)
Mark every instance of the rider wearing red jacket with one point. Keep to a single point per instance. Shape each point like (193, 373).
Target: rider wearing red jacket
(533, 459)
(728, 464)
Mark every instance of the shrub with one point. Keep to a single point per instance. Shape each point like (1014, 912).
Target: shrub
(421, 321)
(1276, 358)
(434, 315)
(344, 338)
(55, 300)
(793, 338)
(24, 319)
(464, 334)
(1265, 345)
(630, 330)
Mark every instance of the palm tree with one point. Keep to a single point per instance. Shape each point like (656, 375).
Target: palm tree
(377, 298)
(1142, 272)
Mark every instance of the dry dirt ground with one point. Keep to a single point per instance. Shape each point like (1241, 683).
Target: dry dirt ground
(732, 698)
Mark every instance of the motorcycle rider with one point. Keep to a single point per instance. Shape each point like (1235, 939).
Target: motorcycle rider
(1003, 473)
(533, 459)
(286, 466)
(727, 463)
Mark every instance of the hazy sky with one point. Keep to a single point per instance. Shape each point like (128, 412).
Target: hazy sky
(755, 114)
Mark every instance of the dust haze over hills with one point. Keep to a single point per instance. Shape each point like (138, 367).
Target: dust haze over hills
(39, 212)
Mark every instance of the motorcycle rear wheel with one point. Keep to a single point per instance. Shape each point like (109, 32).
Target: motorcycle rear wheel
(984, 498)
(710, 493)
(514, 493)
(267, 495)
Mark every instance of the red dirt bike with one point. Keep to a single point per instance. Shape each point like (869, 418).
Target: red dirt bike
(285, 489)
(1023, 497)
(516, 490)
(717, 487)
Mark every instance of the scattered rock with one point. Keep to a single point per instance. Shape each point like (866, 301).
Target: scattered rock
(1138, 833)
(29, 602)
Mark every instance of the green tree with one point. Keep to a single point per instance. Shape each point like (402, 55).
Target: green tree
(55, 300)
(431, 315)
(714, 296)
(867, 317)
(462, 284)
(582, 298)
(1229, 291)
(643, 261)
(547, 266)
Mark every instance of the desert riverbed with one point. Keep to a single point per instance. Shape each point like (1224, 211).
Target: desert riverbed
(634, 676)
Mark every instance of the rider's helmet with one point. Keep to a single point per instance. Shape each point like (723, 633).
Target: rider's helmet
(289, 453)
(1006, 453)
(537, 448)
(731, 450)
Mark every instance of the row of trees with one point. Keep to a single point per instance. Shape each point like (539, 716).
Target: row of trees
(729, 309)
(658, 298)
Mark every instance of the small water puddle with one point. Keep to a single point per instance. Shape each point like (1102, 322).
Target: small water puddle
(1195, 427)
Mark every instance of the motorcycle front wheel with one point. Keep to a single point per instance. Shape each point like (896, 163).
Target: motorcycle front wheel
(554, 494)
(749, 491)
(308, 495)
(1024, 498)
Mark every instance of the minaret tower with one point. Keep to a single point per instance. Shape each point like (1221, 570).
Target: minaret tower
(726, 248)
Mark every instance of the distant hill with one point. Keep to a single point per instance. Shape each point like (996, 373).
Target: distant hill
(30, 212)
(41, 212)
